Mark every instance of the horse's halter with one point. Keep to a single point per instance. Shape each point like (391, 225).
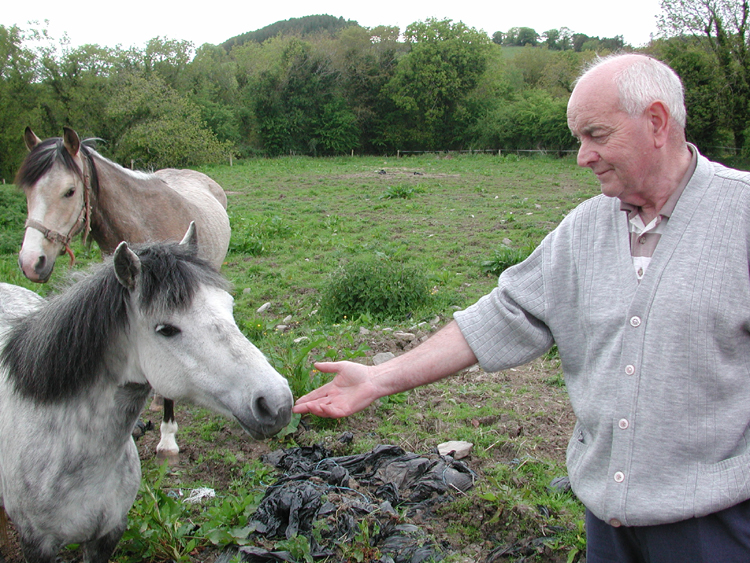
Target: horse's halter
(83, 223)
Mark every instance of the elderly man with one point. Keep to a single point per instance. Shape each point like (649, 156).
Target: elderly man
(646, 291)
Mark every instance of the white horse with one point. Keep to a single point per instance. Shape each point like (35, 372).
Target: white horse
(72, 189)
(76, 371)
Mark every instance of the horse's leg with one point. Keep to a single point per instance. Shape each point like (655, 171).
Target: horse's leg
(168, 448)
(4, 539)
(157, 403)
(100, 550)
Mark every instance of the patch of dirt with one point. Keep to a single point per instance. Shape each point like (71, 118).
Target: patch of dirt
(533, 418)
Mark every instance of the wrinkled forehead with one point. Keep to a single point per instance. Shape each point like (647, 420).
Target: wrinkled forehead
(592, 102)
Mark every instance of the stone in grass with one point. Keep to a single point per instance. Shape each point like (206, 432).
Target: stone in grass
(382, 357)
(457, 448)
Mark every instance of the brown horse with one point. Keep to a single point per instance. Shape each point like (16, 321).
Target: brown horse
(71, 189)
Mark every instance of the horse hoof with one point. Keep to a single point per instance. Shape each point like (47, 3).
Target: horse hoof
(172, 458)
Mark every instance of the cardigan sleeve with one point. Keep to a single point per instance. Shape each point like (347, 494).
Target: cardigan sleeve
(505, 327)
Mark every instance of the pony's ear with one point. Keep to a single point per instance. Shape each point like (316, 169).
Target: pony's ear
(71, 141)
(30, 138)
(127, 265)
(191, 238)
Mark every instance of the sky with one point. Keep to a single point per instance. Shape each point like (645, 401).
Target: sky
(134, 22)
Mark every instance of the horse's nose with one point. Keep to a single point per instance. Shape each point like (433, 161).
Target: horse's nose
(39, 272)
(272, 413)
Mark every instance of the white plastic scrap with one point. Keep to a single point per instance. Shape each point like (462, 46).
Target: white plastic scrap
(197, 495)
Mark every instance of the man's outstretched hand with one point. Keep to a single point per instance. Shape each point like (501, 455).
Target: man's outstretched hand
(350, 391)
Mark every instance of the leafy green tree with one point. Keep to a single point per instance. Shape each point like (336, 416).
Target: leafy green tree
(724, 27)
(210, 81)
(168, 59)
(432, 81)
(527, 36)
(707, 116)
(293, 104)
(79, 82)
(535, 121)
(532, 62)
(156, 127)
(367, 60)
(20, 93)
(561, 71)
(550, 38)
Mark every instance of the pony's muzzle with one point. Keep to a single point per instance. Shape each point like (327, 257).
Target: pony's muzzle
(270, 413)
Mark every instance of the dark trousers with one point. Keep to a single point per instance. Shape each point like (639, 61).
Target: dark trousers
(722, 537)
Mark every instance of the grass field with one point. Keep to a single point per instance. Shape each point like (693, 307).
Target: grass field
(296, 222)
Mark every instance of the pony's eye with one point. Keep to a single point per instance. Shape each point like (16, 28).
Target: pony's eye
(167, 330)
(70, 193)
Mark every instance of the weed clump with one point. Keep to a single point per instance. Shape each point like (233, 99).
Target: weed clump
(377, 288)
(504, 259)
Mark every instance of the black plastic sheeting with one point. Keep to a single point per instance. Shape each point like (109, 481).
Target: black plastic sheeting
(344, 490)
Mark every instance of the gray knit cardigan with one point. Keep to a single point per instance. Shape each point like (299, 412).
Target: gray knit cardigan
(658, 373)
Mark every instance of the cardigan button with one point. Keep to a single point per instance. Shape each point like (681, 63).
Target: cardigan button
(635, 321)
(629, 370)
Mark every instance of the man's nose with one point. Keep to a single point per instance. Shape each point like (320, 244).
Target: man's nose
(586, 155)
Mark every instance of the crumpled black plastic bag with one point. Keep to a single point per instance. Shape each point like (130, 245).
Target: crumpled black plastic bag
(343, 490)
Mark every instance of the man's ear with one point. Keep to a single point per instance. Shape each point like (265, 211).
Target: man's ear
(659, 122)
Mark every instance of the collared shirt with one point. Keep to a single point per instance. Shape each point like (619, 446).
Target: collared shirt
(644, 238)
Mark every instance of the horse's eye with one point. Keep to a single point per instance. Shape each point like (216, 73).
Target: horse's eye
(167, 330)
(70, 193)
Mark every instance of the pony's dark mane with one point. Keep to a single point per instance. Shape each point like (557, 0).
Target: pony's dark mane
(58, 350)
(42, 157)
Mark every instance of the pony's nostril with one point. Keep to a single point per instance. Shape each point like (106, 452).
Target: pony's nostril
(262, 410)
(40, 264)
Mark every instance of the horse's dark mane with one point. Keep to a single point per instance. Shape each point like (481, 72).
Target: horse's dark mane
(58, 350)
(44, 155)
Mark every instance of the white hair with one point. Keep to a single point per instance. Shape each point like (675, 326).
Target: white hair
(644, 81)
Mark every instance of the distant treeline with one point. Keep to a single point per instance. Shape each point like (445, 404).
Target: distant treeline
(318, 86)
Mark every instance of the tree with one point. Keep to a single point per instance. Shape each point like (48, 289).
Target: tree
(210, 80)
(551, 38)
(79, 83)
(157, 127)
(299, 107)
(432, 81)
(724, 27)
(535, 120)
(20, 92)
(696, 65)
(527, 36)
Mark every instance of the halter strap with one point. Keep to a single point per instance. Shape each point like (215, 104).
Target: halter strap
(83, 223)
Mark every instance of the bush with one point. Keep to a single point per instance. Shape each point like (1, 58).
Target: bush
(377, 287)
